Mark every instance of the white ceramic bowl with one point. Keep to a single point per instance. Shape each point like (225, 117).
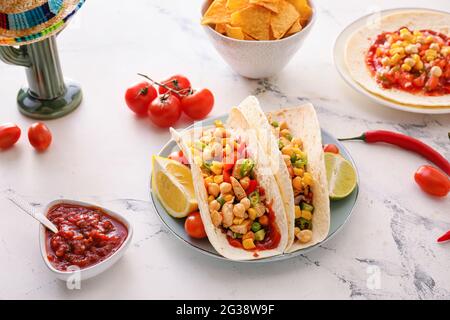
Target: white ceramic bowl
(98, 268)
(257, 59)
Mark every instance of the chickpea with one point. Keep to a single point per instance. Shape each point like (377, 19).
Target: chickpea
(213, 189)
(246, 202)
(216, 218)
(245, 182)
(211, 198)
(228, 198)
(436, 71)
(208, 181)
(214, 205)
(297, 231)
(207, 154)
(219, 132)
(297, 183)
(225, 187)
(304, 236)
(216, 149)
(239, 210)
(218, 179)
(283, 125)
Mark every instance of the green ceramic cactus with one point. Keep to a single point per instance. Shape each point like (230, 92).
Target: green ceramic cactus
(47, 96)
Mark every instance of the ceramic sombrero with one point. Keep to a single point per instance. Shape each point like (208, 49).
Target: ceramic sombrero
(27, 21)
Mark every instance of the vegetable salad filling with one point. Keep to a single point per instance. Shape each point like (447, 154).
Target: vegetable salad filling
(237, 204)
(302, 181)
(413, 61)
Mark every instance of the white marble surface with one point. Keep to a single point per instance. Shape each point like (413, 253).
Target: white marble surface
(102, 153)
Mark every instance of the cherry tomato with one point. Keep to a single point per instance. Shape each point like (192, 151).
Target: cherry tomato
(165, 111)
(178, 156)
(198, 104)
(9, 135)
(178, 83)
(331, 148)
(432, 181)
(194, 226)
(139, 96)
(40, 136)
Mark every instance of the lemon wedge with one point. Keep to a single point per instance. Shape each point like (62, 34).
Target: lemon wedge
(341, 176)
(172, 183)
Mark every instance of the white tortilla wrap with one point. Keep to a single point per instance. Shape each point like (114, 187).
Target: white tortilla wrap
(303, 123)
(266, 180)
(361, 41)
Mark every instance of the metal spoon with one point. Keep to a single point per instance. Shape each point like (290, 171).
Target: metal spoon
(22, 204)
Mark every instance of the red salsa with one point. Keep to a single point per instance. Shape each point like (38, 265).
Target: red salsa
(414, 61)
(87, 236)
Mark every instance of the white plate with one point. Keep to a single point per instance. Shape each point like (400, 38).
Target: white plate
(339, 62)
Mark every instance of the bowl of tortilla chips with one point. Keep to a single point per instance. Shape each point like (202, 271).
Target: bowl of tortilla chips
(257, 38)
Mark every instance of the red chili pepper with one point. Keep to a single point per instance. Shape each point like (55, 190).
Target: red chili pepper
(226, 176)
(405, 142)
(251, 186)
(445, 237)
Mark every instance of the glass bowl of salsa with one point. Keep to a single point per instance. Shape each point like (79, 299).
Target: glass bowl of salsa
(90, 239)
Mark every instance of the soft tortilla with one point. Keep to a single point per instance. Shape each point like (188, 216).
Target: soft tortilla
(302, 122)
(265, 177)
(359, 43)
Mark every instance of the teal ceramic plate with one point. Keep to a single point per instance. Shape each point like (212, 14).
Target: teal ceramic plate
(340, 210)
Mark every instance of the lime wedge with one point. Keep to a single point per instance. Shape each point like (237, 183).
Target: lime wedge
(341, 176)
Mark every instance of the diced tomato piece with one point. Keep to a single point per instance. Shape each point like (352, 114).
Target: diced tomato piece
(252, 186)
(419, 82)
(432, 83)
(226, 176)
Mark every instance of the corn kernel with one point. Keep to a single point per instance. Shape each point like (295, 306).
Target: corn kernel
(208, 180)
(419, 65)
(298, 212)
(410, 61)
(395, 59)
(308, 179)
(405, 34)
(417, 33)
(410, 49)
(238, 221)
(218, 124)
(306, 215)
(228, 197)
(218, 179)
(406, 67)
(299, 172)
(399, 51)
(217, 167)
(386, 61)
(436, 71)
(429, 39)
(248, 244)
(252, 214)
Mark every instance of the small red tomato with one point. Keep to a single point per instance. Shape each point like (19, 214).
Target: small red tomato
(198, 105)
(178, 83)
(432, 181)
(139, 96)
(165, 111)
(40, 136)
(9, 135)
(178, 156)
(194, 226)
(331, 148)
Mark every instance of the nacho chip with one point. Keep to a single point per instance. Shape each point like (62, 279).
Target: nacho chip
(217, 13)
(296, 27)
(254, 20)
(282, 21)
(272, 5)
(221, 28)
(304, 9)
(234, 32)
(234, 5)
(247, 37)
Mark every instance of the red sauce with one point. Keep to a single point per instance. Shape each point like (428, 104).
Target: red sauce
(87, 236)
(410, 81)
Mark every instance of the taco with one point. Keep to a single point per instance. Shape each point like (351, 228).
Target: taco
(238, 198)
(404, 57)
(292, 138)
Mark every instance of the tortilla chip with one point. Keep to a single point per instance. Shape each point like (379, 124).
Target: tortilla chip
(234, 32)
(272, 5)
(216, 13)
(296, 27)
(234, 5)
(247, 37)
(282, 21)
(304, 9)
(221, 28)
(254, 20)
